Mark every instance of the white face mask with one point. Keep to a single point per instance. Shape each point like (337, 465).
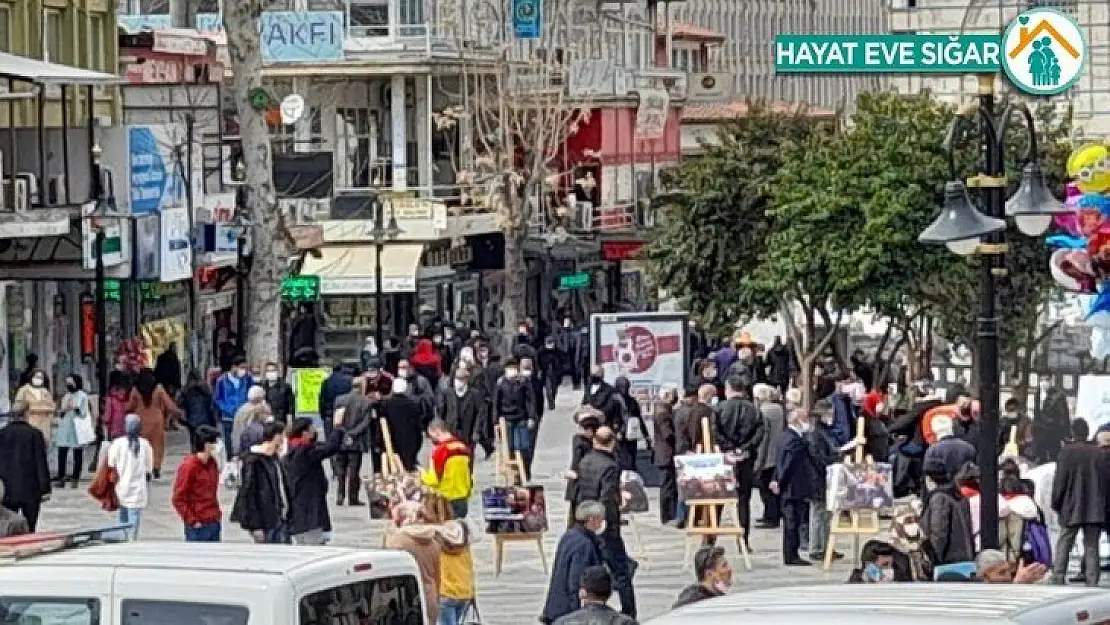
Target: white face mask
(460, 386)
(447, 334)
(511, 374)
(715, 401)
(37, 381)
(272, 376)
(403, 373)
(526, 373)
(601, 528)
(566, 324)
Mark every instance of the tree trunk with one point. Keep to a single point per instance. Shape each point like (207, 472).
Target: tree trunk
(268, 235)
(514, 300)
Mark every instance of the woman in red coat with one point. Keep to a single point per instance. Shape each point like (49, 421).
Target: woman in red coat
(426, 361)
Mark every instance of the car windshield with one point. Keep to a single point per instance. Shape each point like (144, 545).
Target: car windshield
(48, 611)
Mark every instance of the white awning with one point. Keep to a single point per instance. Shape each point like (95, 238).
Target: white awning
(349, 269)
(52, 74)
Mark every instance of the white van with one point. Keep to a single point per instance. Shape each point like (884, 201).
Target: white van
(901, 604)
(161, 583)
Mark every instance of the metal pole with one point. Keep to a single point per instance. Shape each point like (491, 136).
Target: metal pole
(379, 230)
(187, 178)
(987, 323)
(101, 318)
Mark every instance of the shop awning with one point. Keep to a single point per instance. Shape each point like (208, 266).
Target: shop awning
(349, 269)
(43, 73)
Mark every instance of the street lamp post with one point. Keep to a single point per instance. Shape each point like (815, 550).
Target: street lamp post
(965, 230)
(380, 233)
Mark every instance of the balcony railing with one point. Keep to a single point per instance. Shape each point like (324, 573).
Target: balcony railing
(586, 218)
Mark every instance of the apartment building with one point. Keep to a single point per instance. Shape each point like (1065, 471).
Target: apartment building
(1089, 97)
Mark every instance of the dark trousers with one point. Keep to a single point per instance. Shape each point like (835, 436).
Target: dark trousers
(551, 389)
(1091, 566)
(348, 464)
(745, 482)
(771, 512)
(795, 514)
(576, 373)
(668, 494)
(207, 533)
(78, 459)
(459, 508)
(230, 446)
(620, 566)
(29, 510)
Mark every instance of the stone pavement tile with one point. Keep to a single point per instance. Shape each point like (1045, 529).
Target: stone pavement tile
(517, 596)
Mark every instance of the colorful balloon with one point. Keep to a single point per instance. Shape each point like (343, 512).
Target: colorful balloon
(1089, 167)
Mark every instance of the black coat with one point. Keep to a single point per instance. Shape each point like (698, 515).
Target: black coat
(599, 479)
(794, 469)
(824, 452)
(605, 400)
(779, 360)
(259, 501)
(664, 437)
(279, 394)
(404, 416)
(337, 385)
(309, 484)
(946, 527)
(740, 427)
(514, 400)
(578, 550)
(549, 361)
(199, 408)
(909, 424)
(461, 414)
(359, 421)
(23, 465)
(580, 446)
(1078, 488)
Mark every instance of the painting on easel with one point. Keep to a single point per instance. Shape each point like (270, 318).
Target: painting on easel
(514, 509)
(866, 486)
(705, 476)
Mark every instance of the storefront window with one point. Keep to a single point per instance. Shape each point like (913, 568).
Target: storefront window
(347, 321)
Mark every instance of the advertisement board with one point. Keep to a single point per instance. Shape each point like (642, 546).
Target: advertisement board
(650, 349)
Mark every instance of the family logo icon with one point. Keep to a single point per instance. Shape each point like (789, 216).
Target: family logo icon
(1045, 52)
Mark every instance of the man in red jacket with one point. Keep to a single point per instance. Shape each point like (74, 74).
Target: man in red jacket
(196, 488)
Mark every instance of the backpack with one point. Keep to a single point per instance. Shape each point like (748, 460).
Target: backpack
(1036, 545)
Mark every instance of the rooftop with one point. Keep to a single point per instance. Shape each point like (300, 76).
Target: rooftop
(692, 32)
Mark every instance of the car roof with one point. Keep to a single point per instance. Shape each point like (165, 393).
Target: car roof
(887, 603)
(215, 557)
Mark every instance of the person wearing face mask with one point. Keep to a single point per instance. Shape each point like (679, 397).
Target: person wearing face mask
(355, 412)
(795, 484)
(514, 402)
(601, 395)
(461, 407)
(69, 439)
(1014, 419)
(714, 577)
(409, 344)
(23, 467)
(309, 520)
(446, 352)
(378, 382)
(35, 395)
(708, 373)
(279, 394)
(196, 488)
(484, 377)
(426, 361)
(550, 361)
(420, 389)
(945, 518)
(579, 549)
(825, 453)
(262, 504)
(533, 377)
(230, 395)
(881, 563)
(405, 418)
(569, 344)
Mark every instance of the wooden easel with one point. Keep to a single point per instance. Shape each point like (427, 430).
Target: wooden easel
(510, 464)
(1011, 448)
(695, 534)
(499, 541)
(857, 522)
(391, 462)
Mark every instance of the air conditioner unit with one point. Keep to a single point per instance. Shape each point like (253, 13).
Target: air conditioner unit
(56, 191)
(33, 196)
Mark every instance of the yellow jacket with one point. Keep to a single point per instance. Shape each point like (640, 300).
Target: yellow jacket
(456, 574)
(449, 474)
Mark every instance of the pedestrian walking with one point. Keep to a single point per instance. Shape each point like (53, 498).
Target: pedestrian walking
(456, 574)
(35, 395)
(11, 523)
(587, 421)
(595, 589)
(461, 407)
(635, 430)
(514, 402)
(262, 503)
(24, 468)
(231, 393)
(945, 518)
(550, 362)
(714, 577)
(579, 548)
(425, 361)
(1079, 499)
(449, 474)
(279, 394)
(769, 403)
(354, 412)
(195, 401)
(601, 395)
(117, 406)
(156, 410)
(740, 433)
(309, 519)
(419, 388)
(532, 378)
(132, 457)
(663, 452)
(75, 431)
(599, 480)
(196, 488)
(249, 419)
(405, 417)
(795, 484)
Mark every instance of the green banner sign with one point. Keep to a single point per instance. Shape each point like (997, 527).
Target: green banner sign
(888, 54)
(112, 290)
(300, 289)
(574, 281)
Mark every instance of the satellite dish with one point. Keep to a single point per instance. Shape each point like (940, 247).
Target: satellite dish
(292, 108)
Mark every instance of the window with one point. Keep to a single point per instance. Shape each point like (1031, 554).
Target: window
(5, 29)
(97, 54)
(383, 601)
(49, 611)
(368, 18)
(285, 139)
(154, 7)
(52, 36)
(356, 136)
(181, 613)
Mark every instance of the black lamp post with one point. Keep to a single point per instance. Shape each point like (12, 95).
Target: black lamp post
(966, 230)
(380, 233)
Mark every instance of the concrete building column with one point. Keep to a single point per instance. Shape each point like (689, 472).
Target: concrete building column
(423, 115)
(400, 140)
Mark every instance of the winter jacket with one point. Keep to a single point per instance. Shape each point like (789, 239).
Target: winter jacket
(578, 550)
(690, 435)
(456, 563)
(421, 542)
(358, 421)
(599, 479)
(909, 425)
(308, 484)
(421, 390)
(946, 527)
(693, 594)
(335, 386)
(23, 464)
(780, 360)
(513, 400)
(824, 453)
(664, 438)
(116, 410)
(794, 469)
(231, 394)
(844, 418)
(279, 394)
(952, 452)
(604, 399)
(196, 491)
(199, 408)
(449, 473)
(426, 361)
(774, 422)
(1078, 487)
(462, 415)
(580, 446)
(264, 497)
(740, 428)
(596, 614)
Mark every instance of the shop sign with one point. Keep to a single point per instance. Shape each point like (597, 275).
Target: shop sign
(176, 258)
(88, 327)
(112, 290)
(302, 36)
(136, 23)
(574, 281)
(298, 289)
(111, 250)
(615, 251)
(596, 77)
(154, 171)
(154, 71)
(173, 43)
(210, 22)
(151, 292)
(651, 114)
(449, 257)
(527, 18)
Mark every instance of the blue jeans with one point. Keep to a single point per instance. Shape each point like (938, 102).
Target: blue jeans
(277, 536)
(207, 533)
(451, 611)
(459, 508)
(520, 439)
(131, 516)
